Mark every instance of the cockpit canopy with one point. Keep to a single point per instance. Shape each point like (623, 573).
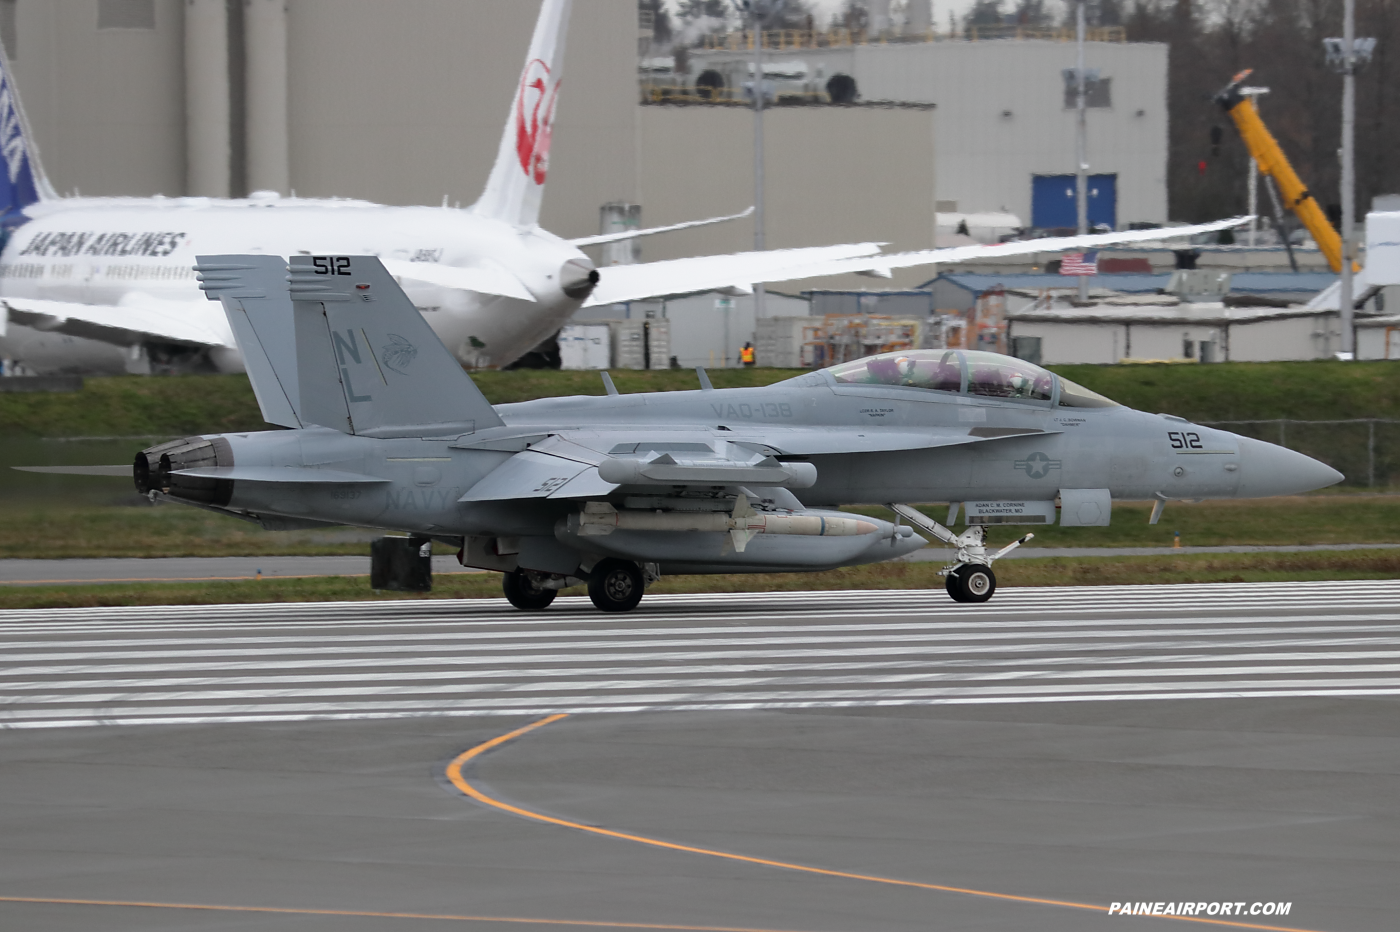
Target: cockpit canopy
(968, 372)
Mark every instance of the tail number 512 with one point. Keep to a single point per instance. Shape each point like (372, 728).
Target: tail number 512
(1184, 440)
(331, 265)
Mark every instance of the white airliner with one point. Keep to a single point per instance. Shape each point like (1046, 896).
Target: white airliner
(107, 284)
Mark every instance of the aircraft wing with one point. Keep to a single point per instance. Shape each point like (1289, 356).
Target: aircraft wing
(633, 234)
(884, 263)
(281, 474)
(814, 441)
(572, 464)
(483, 279)
(708, 273)
(182, 323)
(742, 270)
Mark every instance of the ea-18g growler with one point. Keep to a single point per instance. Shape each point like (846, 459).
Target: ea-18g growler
(387, 431)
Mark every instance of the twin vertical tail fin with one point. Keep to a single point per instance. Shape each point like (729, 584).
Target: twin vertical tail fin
(336, 343)
(23, 181)
(516, 186)
(253, 290)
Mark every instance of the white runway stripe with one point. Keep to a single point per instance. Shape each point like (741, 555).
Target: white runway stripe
(204, 664)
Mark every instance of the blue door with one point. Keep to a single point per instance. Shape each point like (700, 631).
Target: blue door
(1052, 201)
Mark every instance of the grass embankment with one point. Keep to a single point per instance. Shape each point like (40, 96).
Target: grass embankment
(173, 406)
(1194, 568)
(1322, 389)
(177, 405)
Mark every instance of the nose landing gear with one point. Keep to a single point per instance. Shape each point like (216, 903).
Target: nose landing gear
(970, 577)
(971, 582)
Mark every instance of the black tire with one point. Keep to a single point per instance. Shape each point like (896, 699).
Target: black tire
(524, 594)
(950, 582)
(976, 582)
(616, 585)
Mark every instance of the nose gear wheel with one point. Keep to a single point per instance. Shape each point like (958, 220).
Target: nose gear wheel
(972, 582)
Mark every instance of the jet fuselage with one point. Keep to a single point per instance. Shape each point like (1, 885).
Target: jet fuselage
(141, 252)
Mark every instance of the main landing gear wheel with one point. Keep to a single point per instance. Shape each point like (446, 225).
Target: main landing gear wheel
(524, 593)
(971, 582)
(616, 585)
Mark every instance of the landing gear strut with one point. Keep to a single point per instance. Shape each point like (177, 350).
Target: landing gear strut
(970, 577)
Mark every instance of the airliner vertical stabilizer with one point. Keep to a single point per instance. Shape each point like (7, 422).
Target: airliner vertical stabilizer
(516, 186)
(23, 181)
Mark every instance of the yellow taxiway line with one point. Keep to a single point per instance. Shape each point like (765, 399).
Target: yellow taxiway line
(454, 774)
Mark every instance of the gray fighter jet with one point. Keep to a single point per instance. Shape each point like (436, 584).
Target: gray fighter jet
(387, 431)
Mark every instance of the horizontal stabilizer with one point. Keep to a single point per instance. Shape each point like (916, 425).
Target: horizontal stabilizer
(482, 279)
(123, 471)
(141, 321)
(298, 474)
(652, 231)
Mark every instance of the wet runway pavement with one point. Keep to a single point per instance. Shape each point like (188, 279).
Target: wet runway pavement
(1085, 746)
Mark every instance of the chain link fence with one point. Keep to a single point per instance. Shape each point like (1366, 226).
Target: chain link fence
(1365, 449)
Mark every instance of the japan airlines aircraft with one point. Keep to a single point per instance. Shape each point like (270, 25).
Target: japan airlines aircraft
(107, 284)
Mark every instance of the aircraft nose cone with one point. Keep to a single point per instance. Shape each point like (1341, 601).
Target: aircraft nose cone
(1267, 469)
(577, 279)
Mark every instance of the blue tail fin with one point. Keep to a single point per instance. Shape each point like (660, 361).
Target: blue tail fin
(22, 182)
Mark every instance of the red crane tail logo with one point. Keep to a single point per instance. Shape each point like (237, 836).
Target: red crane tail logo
(534, 120)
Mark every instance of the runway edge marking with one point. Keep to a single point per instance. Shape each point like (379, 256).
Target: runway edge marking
(455, 777)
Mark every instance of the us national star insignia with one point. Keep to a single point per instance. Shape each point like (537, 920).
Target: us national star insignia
(1037, 465)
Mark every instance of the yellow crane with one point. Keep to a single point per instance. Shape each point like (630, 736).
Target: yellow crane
(1272, 162)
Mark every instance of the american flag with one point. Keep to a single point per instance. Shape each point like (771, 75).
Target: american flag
(1080, 263)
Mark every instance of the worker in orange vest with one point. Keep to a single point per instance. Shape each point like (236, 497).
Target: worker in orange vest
(746, 354)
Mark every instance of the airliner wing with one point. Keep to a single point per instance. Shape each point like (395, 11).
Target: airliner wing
(483, 279)
(182, 323)
(652, 231)
(881, 264)
(706, 273)
(741, 270)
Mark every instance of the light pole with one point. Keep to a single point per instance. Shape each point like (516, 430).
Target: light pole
(1347, 55)
(1081, 143)
(1348, 174)
(757, 12)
